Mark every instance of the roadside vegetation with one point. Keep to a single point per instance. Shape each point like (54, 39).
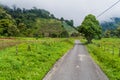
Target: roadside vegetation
(106, 53)
(24, 58)
(31, 59)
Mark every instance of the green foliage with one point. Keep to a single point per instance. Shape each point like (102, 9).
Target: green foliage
(117, 32)
(107, 56)
(107, 34)
(69, 29)
(3, 14)
(32, 64)
(112, 33)
(62, 19)
(31, 23)
(69, 22)
(49, 28)
(90, 28)
(7, 24)
(7, 28)
(111, 25)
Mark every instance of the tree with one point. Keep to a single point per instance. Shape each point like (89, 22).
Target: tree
(118, 32)
(107, 34)
(29, 22)
(62, 19)
(12, 30)
(90, 27)
(7, 28)
(70, 22)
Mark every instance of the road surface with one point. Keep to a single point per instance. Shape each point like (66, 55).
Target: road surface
(76, 65)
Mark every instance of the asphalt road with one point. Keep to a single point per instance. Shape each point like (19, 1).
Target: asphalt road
(76, 65)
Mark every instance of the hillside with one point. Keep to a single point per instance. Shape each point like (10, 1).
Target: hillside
(31, 23)
(69, 29)
(110, 25)
(49, 27)
(7, 24)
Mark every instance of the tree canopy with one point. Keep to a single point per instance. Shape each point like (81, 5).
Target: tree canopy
(7, 24)
(90, 27)
(30, 23)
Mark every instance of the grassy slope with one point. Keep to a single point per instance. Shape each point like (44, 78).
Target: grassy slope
(49, 26)
(102, 52)
(32, 63)
(69, 29)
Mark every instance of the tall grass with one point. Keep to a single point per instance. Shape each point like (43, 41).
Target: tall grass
(34, 59)
(102, 54)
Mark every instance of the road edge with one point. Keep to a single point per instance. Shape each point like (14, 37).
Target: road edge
(98, 68)
(56, 66)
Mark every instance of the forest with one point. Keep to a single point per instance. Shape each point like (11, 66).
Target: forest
(111, 28)
(33, 22)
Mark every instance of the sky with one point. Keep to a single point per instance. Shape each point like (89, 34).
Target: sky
(71, 9)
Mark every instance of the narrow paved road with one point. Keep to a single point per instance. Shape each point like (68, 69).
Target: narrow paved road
(76, 65)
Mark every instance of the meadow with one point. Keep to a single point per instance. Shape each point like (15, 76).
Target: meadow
(106, 53)
(30, 59)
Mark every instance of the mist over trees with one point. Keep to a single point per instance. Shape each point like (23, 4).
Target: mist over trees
(31, 23)
(111, 28)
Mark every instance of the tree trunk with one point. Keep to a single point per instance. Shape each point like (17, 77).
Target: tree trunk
(89, 39)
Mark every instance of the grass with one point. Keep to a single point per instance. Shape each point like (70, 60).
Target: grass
(106, 54)
(33, 60)
(8, 43)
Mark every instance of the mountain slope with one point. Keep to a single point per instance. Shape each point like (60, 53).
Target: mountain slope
(49, 27)
(111, 25)
(69, 29)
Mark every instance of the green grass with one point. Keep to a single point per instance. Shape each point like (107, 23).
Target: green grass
(33, 60)
(102, 53)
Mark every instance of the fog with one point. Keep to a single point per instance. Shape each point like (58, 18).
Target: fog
(71, 9)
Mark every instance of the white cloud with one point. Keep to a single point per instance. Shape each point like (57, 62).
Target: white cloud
(70, 9)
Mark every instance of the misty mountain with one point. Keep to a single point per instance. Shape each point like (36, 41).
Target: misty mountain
(111, 25)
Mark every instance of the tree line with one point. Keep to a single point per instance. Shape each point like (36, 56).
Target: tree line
(111, 28)
(30, 23)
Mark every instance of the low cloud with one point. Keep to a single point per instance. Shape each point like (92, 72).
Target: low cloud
(71, 9)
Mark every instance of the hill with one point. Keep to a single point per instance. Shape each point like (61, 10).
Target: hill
(111, 25)
(30, 23)
(50, 28)
(7, 24)
(70, 29)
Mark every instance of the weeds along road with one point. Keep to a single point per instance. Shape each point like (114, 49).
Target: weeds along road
(76, 65)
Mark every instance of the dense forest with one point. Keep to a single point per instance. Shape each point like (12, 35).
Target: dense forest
(31, 23)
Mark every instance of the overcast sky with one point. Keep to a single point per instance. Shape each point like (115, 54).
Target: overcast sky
(71, 9)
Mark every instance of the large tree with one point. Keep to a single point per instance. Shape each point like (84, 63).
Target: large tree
(7, 24)
(90, 27)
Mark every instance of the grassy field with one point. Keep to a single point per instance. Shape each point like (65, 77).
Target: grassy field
(106, 52)
(30, 59)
